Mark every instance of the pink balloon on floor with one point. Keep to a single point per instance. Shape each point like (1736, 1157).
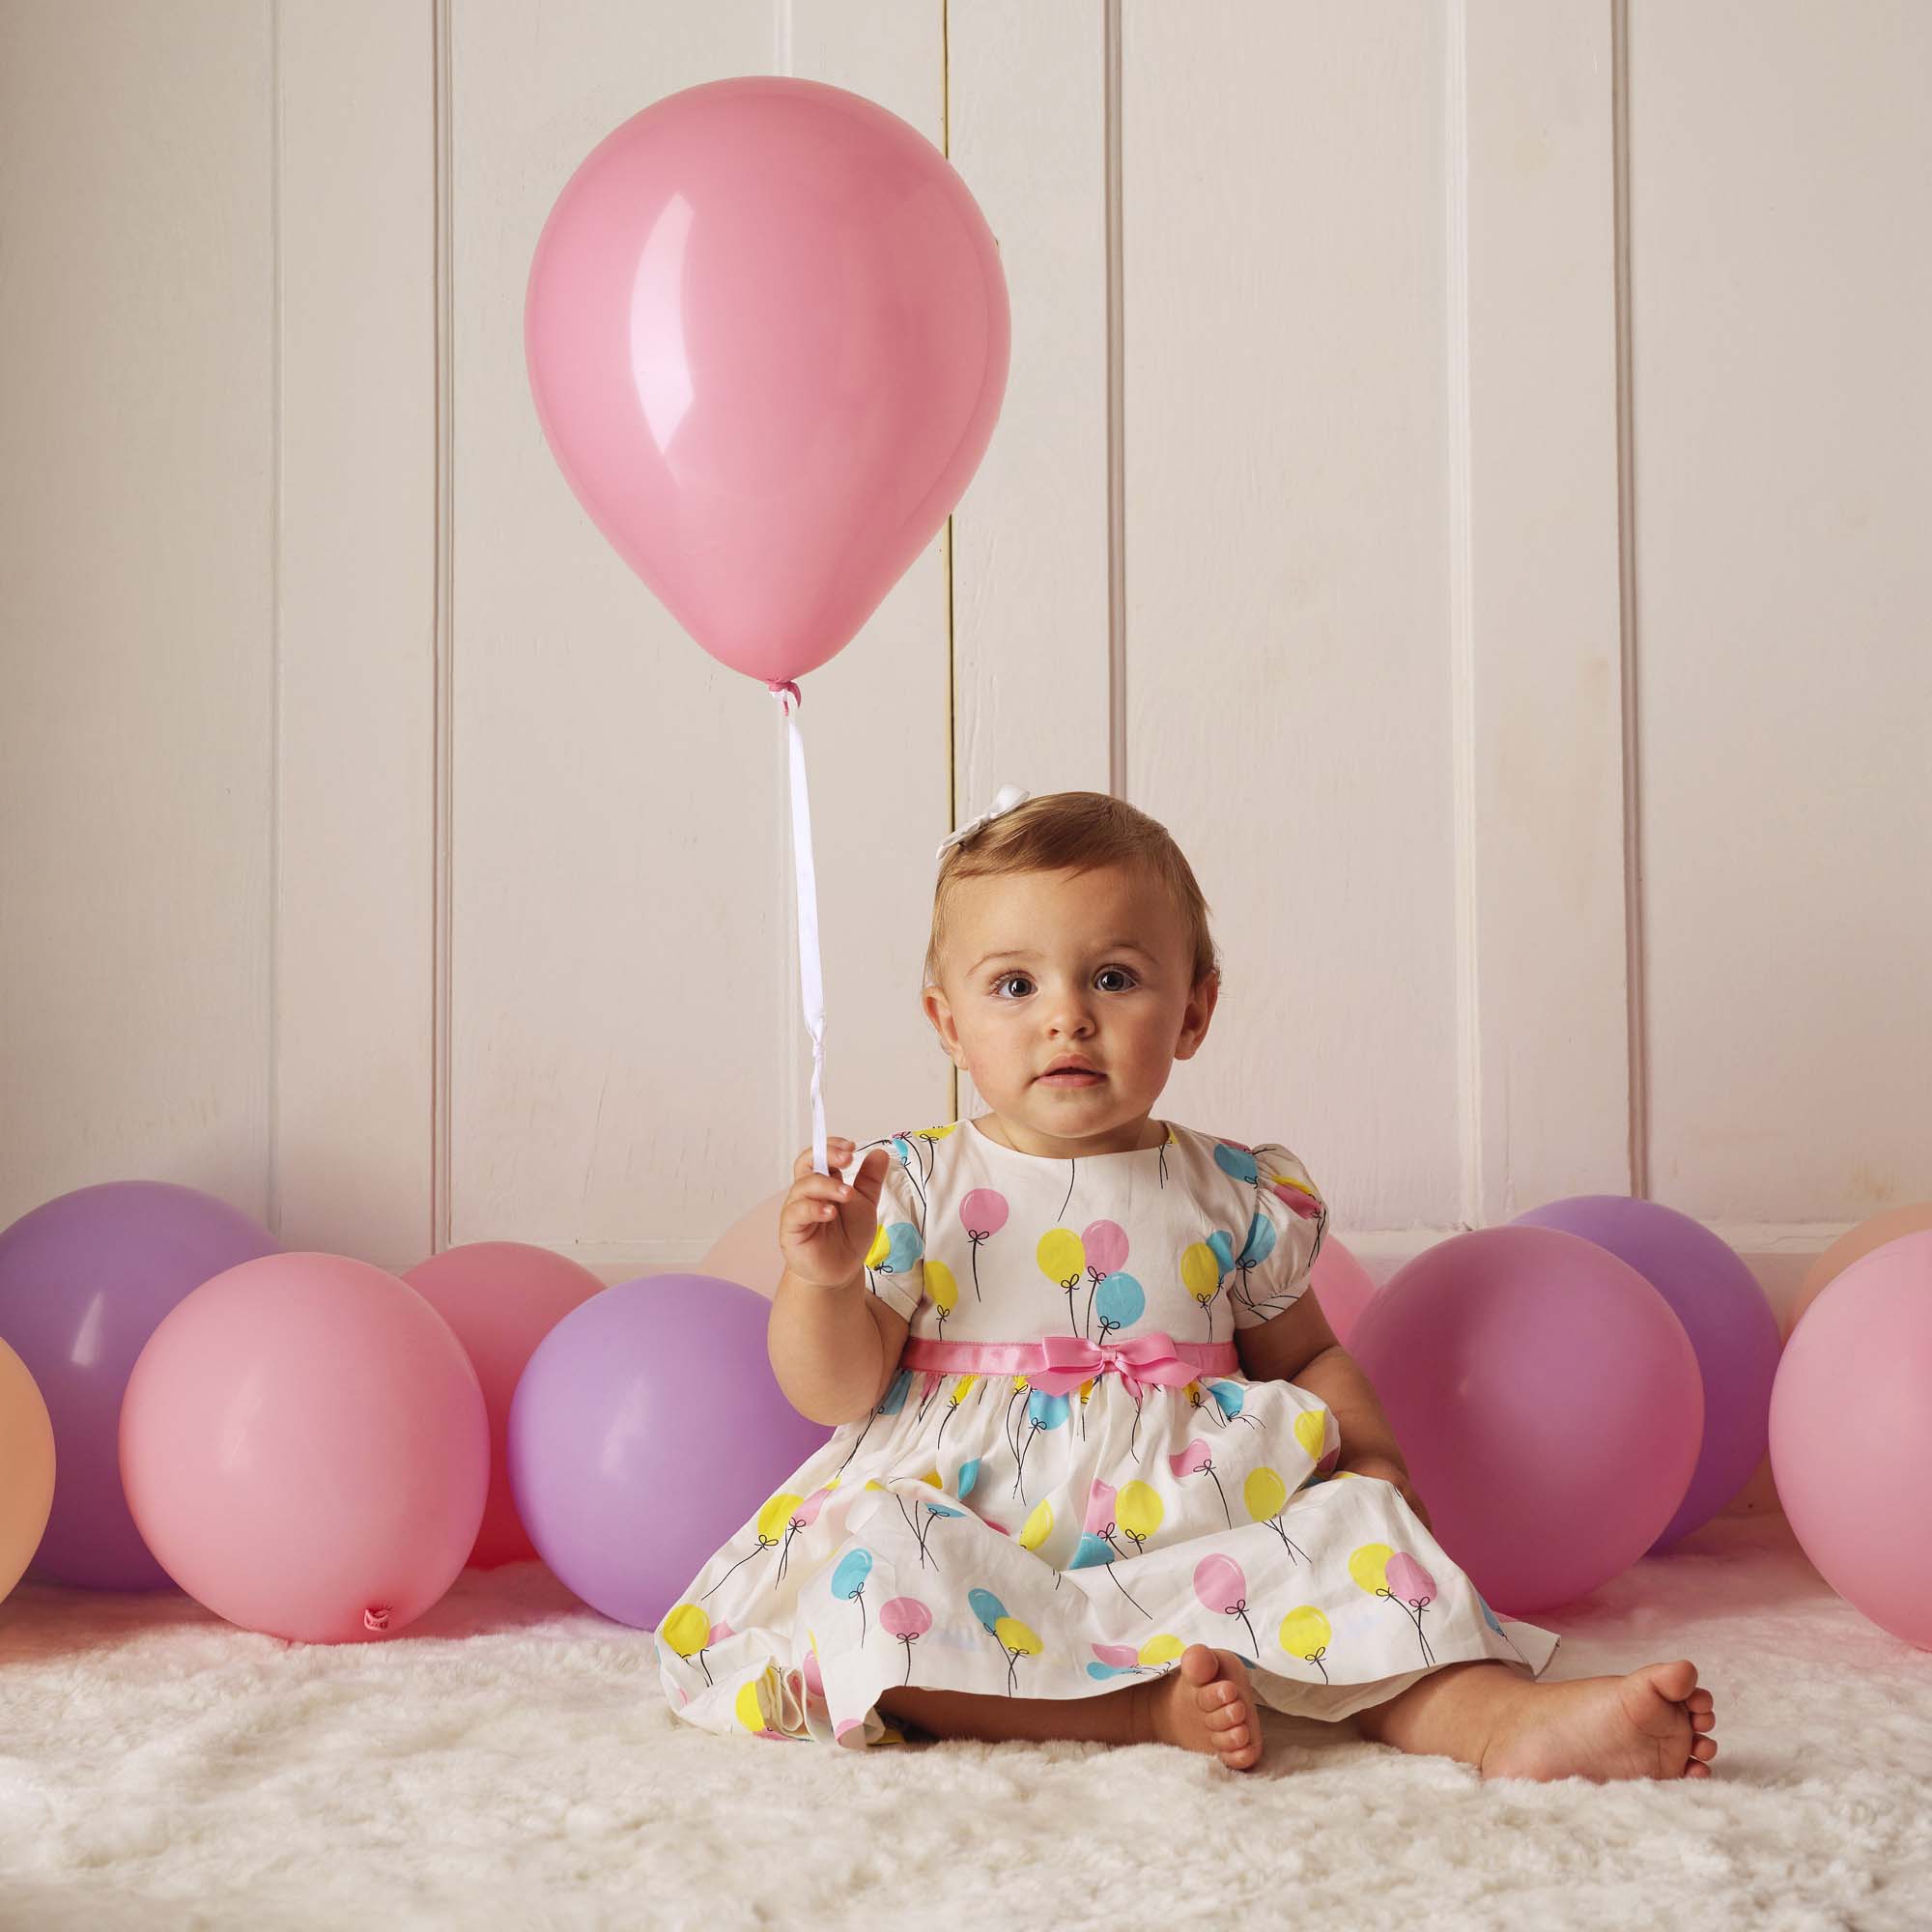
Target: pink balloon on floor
(1547, 1402)
(501, 1299)
(1343, 1288)
(305, 1446)
(1851, 1436)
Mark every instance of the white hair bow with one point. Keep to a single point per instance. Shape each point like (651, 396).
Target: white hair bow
(1003, 801)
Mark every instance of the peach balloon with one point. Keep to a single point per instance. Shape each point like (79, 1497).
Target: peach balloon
(747, 1252)
(501, 1299)
(305, 1450)
(1854, 1245)
(26, 1468)
(1343, 1288)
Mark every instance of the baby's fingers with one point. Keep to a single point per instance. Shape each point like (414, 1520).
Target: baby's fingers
(838, 1152)
(814, 1199)
(871, 1179)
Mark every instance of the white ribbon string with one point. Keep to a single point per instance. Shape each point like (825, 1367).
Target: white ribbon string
(811, 977)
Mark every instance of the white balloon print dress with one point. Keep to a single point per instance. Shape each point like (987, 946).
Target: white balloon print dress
(1069, 1479)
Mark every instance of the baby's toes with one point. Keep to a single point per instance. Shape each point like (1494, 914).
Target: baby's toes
(1226, 1718)
(1704, 1750)
(1217, 1694)
(1676, 1683)
(1703, 1720)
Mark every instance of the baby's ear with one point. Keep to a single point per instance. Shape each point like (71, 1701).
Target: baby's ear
(939, 1011)
(1200, 1011)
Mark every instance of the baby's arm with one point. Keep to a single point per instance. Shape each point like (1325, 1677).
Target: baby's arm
(834, 1347)
(1297, 1345)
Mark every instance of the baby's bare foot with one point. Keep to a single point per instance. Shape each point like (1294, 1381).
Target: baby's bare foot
(1649, 1724)
(1207, 1705)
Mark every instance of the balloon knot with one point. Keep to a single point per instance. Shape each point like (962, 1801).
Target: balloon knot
(783, 688)
(376, 1617)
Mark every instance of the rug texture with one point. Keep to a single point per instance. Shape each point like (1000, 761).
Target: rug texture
(508, 1761)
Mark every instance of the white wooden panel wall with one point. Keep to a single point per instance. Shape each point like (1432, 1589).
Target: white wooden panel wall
(137, 465)
(1527, 638)
(1288, 683)
(1781, 294)
(356, 645)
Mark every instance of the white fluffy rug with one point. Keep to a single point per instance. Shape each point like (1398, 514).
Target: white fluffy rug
(509, 1762)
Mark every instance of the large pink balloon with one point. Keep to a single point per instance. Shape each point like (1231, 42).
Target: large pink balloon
(1343, 1288)
(500, 1300)
(1548, 1404)
(1851, 1435)
(768, 337)
(304, 1448)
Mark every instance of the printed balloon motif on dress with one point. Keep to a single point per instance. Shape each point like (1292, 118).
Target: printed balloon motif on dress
(1265, 1495)
(907, 1619)
(1220, 1585)
(1305, 1633)
(1063, 1260)
(849, 1582)
(1197, 1459)
(1395, 1578)
(1106, 1246)
(983, 1213)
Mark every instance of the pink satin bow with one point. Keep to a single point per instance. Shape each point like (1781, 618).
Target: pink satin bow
(1147, 1359)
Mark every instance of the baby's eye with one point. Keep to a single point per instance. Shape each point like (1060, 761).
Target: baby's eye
(1120, 972)
(1007, 980)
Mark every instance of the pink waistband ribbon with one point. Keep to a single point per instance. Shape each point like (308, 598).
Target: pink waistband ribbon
(1059, 1363)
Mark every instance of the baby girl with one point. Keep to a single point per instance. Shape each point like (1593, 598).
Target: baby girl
(1101, 1470)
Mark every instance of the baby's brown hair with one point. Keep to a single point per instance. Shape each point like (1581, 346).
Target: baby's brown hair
(1076, 832)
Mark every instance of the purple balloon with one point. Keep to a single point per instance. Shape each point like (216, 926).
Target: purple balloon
(85, 1280)
(1724, 1311)
(646, 1429)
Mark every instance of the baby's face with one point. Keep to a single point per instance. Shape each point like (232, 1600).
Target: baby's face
(1043, 966)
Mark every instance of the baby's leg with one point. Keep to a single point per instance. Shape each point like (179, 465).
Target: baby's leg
(1647, 1724)
(1203, 1704)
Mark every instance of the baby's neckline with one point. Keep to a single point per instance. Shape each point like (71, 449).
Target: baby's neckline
(984, 1139)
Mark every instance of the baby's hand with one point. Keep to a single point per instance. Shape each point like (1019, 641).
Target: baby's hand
(826, 1226)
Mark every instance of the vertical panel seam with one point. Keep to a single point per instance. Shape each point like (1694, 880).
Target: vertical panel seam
(1634, 951)
(1117, 494)
(273, 1205)
(1461, 616)
(442, 650)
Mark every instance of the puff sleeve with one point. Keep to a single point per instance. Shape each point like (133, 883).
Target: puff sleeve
(896, 1262)
(1284, 1235)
